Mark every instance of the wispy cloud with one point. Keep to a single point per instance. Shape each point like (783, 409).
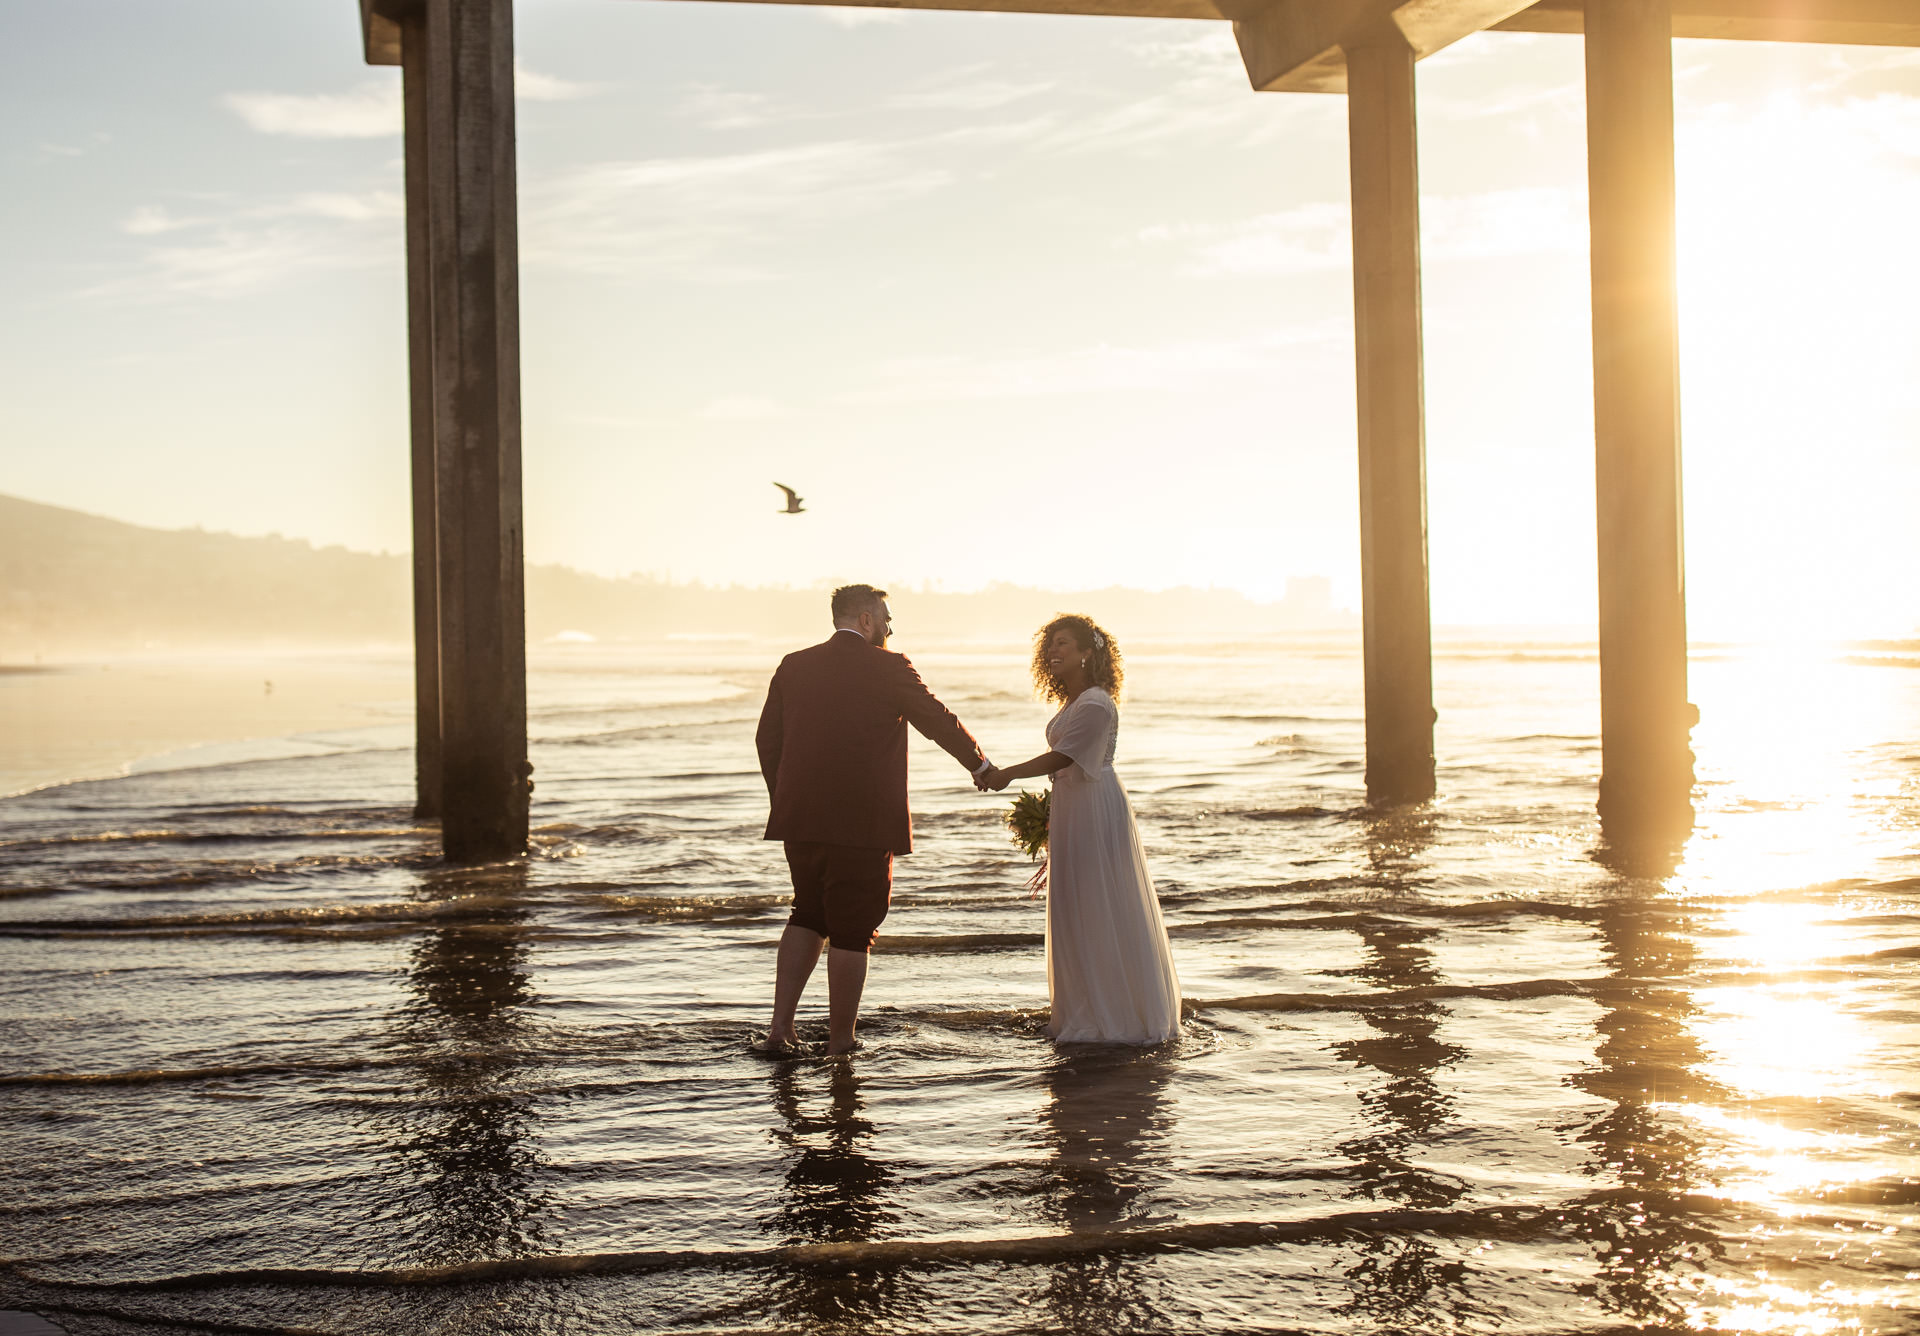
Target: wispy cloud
(1105, 368)
(725, 109)
(1201, 96)
(1205, 49)
(1293, 241)
(709, 217)
(1318, 236)
(228, 252)
(715, 217)
(693, 217)
(970, 95)
(370, 110)
(150, 220)
(848, 16)
(1482, 47)
(1864, 71)
(231, 261)
(338, 205)
(533, 86)
(1567, 99)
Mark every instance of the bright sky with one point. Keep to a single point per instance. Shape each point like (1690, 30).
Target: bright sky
(1050, 300)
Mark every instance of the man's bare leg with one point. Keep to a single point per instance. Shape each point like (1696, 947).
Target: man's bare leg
(799, 950)
(846, 980)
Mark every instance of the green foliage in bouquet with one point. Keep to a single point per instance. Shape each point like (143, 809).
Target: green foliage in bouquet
(1027, 819)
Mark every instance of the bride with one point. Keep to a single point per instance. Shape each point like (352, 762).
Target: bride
(1109, 973)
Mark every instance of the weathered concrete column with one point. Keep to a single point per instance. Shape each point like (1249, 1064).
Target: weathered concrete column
(1381, 146)
(476, 412)
(1646, 776)
(426, 541)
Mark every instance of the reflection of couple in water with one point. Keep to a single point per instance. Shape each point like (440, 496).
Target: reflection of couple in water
(833, 748)
(1100, 1127)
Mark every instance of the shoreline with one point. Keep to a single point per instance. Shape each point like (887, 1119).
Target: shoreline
(104, 718)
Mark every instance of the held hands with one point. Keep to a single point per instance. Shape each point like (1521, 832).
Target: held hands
(993, 779)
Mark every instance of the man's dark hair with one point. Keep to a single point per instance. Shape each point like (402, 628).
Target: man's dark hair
(849, 601)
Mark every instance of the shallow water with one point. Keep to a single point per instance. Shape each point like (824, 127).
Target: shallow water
(268, 1065)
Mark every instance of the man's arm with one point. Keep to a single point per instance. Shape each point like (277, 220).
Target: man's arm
(919, 707)
(771, 733)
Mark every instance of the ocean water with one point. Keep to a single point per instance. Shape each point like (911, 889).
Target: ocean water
(269, 1066)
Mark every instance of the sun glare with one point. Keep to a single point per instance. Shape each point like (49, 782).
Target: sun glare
(1796, 291)
(1792, 794)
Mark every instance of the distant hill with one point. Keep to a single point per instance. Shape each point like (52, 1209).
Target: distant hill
(72, 583)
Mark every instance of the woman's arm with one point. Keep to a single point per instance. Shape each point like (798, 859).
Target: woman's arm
(1044, 764)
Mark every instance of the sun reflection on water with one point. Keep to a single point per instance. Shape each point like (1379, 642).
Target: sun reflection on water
(1794, 1041)
(1789, 792)
(1797, 1087)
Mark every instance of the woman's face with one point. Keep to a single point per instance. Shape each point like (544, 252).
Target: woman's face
(1063, 650)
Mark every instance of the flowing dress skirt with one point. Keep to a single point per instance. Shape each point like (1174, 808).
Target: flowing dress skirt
(1109, 971)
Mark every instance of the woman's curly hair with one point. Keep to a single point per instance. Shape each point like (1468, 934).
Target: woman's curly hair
(1103, 656)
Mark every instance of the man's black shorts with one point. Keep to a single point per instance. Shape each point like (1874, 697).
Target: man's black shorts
(840, 891)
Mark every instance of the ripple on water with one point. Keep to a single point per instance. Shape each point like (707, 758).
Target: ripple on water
(269, 1065)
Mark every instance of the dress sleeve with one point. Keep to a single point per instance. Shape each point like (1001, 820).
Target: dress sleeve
(1085, 730)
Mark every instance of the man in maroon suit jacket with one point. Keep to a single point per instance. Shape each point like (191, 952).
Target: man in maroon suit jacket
(833, 748)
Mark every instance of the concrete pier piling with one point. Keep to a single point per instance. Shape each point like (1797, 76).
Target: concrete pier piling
(426, 524)
(1381, 147)
(475, 329)
(1646, 778)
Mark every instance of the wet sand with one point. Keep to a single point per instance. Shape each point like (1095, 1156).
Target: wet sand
(99, 718)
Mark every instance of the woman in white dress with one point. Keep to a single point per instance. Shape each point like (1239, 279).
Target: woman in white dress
(1110, 974)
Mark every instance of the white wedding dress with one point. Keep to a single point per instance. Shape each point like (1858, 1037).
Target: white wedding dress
(1109, 971)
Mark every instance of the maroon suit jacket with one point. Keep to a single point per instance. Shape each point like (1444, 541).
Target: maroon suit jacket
(833, 744)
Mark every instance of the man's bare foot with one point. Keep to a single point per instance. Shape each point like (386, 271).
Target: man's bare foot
(855, 1047)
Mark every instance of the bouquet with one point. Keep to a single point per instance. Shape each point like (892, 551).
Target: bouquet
(1028, 819)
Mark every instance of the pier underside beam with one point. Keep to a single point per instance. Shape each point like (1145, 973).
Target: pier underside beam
(473, 244)
(1300, 46)
(1392, 439)
(1646, 778)
(426, 544)
(1847, 22)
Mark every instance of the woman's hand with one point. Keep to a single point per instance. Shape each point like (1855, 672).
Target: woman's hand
(997, 779)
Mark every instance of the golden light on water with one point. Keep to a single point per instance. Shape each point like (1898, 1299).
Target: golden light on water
(1769, 1306)
(1793, 1040)
(1773, 936)
(1800, 811)
(1790, 795)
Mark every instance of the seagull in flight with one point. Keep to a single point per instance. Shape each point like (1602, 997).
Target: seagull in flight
(793, 501)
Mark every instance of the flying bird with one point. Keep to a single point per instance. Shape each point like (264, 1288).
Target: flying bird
(793, 501)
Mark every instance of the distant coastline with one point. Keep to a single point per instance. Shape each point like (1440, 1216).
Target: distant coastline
(74, 585)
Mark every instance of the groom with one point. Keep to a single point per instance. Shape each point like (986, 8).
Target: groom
(833, 748)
